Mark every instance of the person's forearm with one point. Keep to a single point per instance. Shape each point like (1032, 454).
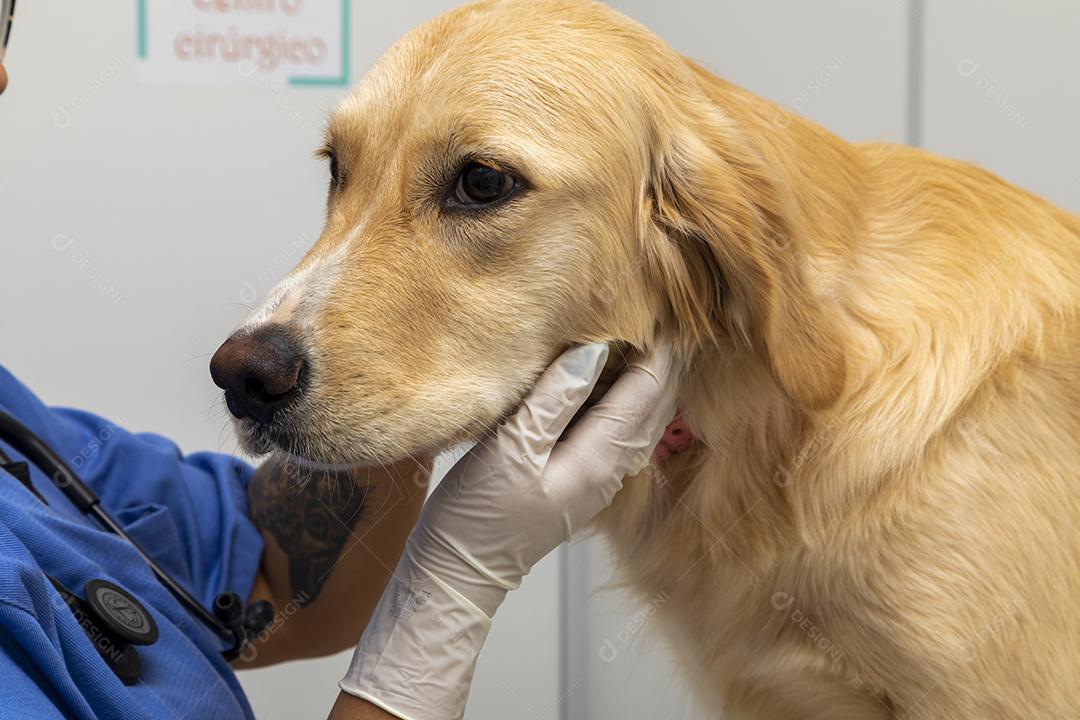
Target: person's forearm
(348, 707)
(332, 541)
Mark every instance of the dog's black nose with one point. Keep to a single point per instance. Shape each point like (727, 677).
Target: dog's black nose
(259, 371)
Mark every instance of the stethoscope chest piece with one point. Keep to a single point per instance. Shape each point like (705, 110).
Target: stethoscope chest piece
(114, 622)
(121, 613)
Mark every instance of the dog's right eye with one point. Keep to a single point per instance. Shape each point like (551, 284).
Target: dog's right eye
(327, 153)
(481, 185)
(335, 169)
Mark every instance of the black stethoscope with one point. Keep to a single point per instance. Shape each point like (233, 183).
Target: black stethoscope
(122, 615)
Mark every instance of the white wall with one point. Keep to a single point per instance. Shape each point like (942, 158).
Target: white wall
(1001, 90)
(172, 207)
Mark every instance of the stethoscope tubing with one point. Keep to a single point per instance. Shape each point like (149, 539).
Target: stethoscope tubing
(34, 449)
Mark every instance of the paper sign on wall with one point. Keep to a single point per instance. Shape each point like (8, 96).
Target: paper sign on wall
(243, 42)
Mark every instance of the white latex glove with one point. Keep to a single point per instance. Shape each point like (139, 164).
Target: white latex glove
(509, 502)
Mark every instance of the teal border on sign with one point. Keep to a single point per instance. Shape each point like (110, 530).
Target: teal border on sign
(346, 42)
(140, 49)
(346, 38)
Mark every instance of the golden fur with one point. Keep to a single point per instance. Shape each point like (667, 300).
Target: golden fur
(881, 517)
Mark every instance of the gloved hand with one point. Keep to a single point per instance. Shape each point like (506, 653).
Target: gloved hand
(505, 505)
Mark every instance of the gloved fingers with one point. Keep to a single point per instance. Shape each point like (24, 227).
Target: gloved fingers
(643, 397)
(617, 435)
(660, 366)
(560, 392)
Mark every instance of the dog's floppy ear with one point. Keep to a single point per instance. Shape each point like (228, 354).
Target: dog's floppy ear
(727, 248)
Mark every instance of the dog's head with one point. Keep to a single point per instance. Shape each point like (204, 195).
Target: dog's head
(511, 178)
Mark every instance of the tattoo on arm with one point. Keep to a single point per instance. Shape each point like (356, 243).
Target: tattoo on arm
(311, 517)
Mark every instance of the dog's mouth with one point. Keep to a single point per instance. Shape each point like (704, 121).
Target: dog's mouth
(285, 439)
(255, 438)
(308, 443)
(298, 435)
(259, 439)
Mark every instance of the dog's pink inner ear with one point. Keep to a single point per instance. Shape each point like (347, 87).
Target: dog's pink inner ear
(728, 263)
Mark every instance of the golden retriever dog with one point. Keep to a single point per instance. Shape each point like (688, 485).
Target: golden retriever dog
(880, 516)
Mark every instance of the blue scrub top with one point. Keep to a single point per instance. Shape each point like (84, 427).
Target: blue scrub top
(189, 512)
